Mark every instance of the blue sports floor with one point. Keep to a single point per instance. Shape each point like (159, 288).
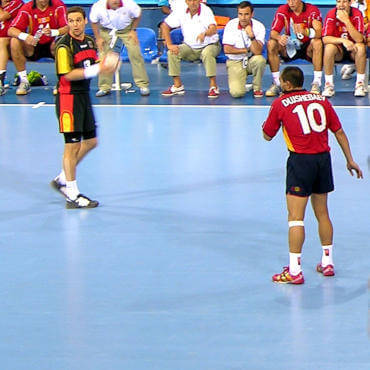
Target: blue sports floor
(173, 270)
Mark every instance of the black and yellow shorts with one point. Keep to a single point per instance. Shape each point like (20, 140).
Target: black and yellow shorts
(75, 114)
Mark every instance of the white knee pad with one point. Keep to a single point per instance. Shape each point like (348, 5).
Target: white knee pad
(295, 223)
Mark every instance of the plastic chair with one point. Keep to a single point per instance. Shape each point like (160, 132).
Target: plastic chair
(148, 45)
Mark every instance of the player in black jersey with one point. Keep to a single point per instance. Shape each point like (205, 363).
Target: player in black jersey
(76, 63)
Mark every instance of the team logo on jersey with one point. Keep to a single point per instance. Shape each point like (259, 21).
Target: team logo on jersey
(44, 20)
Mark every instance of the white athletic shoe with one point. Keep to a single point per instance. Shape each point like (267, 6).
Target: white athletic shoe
(328, 90)
(347, 71)
(360, 89)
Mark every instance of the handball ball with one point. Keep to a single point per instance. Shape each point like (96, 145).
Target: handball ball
(112, 60)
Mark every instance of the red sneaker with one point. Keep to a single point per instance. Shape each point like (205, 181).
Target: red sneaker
(326, 271)
(213, 92)
(286, 278)
(258, 94)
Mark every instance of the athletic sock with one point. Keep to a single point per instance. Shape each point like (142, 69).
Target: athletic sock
(295, 263)
(317, 76)
(360, 78)
(329, 79)
(61, 178)
(23, 76)
(72, 189)
(327, 255)
(276, 78)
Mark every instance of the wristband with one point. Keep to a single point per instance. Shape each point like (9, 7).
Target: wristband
(311, 33)
(91, 71)
(23, 35)
(54, 33)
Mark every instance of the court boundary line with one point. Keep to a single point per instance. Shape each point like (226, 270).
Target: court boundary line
(176, 106)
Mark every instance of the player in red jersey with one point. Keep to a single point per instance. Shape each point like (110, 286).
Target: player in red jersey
(44, 20)
(343, 37)
(8, 10)
(305, 119)
(302, 27)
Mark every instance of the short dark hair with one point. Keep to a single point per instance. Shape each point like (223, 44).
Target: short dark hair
(294, 75)
(76, 9)
(245, 4)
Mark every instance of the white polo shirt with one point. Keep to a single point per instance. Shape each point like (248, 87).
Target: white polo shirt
(117, 19)
(191, 27)
(236, 36)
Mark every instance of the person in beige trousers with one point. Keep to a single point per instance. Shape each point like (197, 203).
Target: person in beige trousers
(243, 42)
(114, 18)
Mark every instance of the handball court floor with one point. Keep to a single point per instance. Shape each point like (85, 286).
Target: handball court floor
(173, 270)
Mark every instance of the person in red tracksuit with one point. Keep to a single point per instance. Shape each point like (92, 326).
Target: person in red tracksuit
(305, 119)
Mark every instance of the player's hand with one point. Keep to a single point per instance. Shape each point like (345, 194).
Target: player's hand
(173, 49)
(100, 43)
(30, 40)
(283, 40)
(343, 16)
(46, 31)
(353, 166)
(201, 37)
(348, 44)
(133, 36)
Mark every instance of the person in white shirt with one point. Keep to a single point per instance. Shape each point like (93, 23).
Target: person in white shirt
(201, 41)
(243, 42)
(110, 18)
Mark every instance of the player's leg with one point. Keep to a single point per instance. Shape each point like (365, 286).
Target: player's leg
(19, 52)
(325, 228)
(296, 210)
(315, 53)
(273, 52)
(359, 56)
(332, 53)
(4, 57)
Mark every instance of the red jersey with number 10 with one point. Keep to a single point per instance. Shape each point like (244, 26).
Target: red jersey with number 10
(305, 119)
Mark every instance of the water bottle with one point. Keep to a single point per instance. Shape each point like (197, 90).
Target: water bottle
(38, 35)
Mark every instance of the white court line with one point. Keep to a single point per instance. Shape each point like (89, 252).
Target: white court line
(38, 105)
(176, 106)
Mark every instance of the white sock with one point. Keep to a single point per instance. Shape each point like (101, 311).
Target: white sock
(329, 79)
(23, 76)
(295, 263)
(327, 255)
(276, 78)
(317, 75)
(72, 189)
(61, 178)
(360, 78)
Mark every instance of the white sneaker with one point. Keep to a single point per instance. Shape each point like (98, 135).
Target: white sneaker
(328, 90)
(347, 71)
(360, 89)
(23, 89)
(144, 91)
(172, 90)
(315, 88)
(273, 90)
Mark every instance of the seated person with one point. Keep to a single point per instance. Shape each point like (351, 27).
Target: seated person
(8, 11)
(243, 42)
(343, 37)
(44, 20)
(201, 41)
(302, 39)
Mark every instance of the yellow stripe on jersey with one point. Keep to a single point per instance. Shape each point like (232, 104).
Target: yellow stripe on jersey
(63, 60)
(287, 140)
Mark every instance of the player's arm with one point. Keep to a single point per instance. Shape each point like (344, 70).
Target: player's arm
(230, 49)
(356, 35)
(343, 142)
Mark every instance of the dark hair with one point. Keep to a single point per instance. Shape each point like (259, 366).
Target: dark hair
(245, 4)
(76, 9)
(294, 75)
(34, 4)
